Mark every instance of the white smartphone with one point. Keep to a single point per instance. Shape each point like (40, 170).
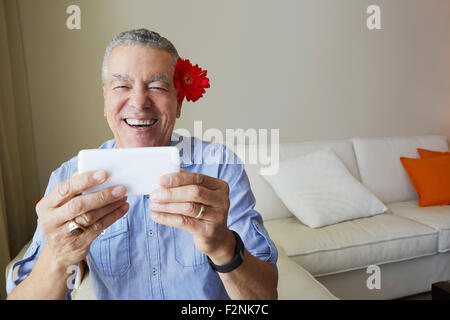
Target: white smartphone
(137, 169)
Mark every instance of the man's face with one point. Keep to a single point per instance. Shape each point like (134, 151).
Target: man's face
(140, 98)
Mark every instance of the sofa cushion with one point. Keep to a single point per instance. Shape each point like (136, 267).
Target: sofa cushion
(380, 167)
(267, 202)
(430, 178)
(436, 217)
(319, 190)
(295, 283)
(424, 153)
(353, 244)
(342, 148)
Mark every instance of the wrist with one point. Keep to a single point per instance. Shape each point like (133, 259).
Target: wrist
(59, 268)
(225, 253)
(48, 279)
(56, 265)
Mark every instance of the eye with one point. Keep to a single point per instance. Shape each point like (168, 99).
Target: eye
(158, 88)
(120, 88)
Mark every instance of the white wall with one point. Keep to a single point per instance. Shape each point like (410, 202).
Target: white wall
(310, 68)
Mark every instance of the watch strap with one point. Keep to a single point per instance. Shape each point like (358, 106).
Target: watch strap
(235, 262)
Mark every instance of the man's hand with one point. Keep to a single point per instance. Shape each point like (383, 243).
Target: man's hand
(95, 212)
(179, 201)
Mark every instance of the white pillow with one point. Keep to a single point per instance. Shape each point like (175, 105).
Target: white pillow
(319, 190)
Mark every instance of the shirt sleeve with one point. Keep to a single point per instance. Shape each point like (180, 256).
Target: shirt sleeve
(242, 217)
(22, 268)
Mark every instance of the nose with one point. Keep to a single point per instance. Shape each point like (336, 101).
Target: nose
(139, 98)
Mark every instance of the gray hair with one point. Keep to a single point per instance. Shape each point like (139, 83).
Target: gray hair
(138, 37)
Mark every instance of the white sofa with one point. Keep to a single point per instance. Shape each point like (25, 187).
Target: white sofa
(410, 244)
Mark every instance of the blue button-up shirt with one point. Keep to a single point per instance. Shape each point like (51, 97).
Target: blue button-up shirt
(136, 258)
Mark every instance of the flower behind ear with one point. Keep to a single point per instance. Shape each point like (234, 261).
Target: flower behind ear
(191, 81)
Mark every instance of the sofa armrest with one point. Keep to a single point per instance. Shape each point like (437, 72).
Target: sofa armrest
(295, 283)
(18, 257)
(82, 290)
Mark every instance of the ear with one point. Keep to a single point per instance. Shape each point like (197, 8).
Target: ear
(179, 105)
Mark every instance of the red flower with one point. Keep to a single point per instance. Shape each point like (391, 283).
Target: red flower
(190, 80)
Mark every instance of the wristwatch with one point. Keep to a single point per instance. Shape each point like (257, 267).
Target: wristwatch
(235, 262)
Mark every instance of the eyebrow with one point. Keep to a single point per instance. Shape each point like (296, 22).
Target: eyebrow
(126, 78)
(159, 78)
(120, 77)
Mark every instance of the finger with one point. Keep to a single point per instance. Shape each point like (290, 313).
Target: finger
(190, 209)
(67, 189)
(179, 221)
(96, 228)
(89, 202)
(190, 193)
(184, 178)
(89, 218)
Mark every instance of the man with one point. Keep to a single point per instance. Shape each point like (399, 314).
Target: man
(176, 243)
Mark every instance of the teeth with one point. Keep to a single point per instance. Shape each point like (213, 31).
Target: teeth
(135, 122)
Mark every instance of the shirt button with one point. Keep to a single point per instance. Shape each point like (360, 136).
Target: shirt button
(154, 271)
(150, 233)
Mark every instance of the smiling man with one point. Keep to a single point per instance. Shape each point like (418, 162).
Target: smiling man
(196, 237)
(140, 98)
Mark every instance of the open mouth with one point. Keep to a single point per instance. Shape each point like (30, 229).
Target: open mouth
(140, 124)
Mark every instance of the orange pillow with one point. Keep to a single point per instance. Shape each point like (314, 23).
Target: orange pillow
(430, 178)
(430, 153)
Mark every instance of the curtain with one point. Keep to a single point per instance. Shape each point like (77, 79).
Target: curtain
(4, 248)
(19, 185)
